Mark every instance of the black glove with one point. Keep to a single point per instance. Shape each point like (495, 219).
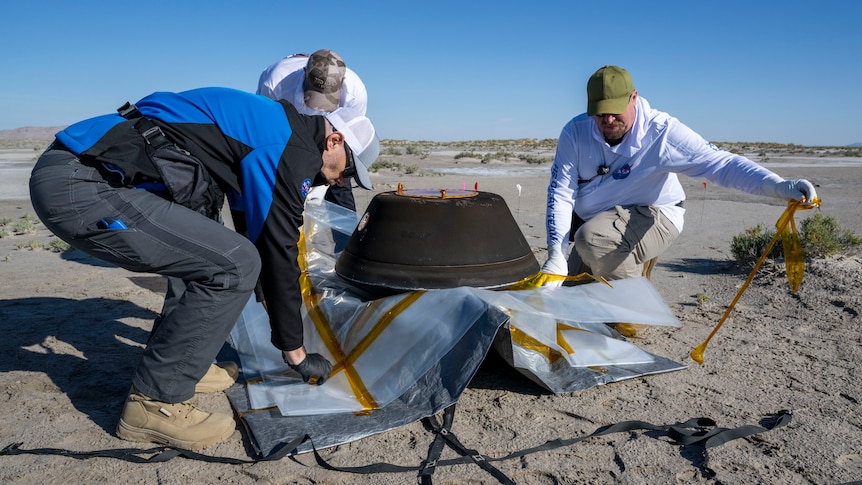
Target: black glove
(314, 366)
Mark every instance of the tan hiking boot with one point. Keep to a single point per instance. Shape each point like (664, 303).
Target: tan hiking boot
(180, 425)
(219, 377)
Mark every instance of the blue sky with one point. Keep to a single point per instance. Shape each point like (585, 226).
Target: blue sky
(784, 72)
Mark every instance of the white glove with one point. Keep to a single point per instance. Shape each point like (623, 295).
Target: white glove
(556, 262)
(316, 194)
(789, 189)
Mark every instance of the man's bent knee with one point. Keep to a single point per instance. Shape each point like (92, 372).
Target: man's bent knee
(248, 267)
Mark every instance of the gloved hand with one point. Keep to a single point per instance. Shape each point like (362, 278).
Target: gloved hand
(316, 194)
(789, 189)
(314, 365)
(556, 262)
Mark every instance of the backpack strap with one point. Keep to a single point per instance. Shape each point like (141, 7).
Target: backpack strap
(151, 133)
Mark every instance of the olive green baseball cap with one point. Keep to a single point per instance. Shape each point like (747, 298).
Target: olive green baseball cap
(608, 91)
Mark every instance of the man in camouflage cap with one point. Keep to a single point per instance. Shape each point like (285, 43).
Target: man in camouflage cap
(317, 84)
(324, 74)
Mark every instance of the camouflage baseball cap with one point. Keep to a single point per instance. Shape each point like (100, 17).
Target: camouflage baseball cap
(324, 74)
(608, 91)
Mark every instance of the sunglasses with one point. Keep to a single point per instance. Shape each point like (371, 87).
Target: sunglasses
(350, 167)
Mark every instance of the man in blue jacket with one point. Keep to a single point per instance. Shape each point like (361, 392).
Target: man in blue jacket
(143, 189)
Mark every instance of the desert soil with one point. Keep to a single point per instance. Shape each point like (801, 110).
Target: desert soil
(74, 328)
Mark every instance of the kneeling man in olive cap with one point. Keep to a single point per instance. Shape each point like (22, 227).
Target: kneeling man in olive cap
(614, 190)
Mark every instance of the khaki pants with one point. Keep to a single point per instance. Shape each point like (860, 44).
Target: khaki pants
(616, 243)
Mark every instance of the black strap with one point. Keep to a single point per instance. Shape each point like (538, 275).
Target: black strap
(694, 432)
(691, 432)
(129, 111)
(159, 454)
(444, 434)
(151, 133)
(719, 436)
(429, 465)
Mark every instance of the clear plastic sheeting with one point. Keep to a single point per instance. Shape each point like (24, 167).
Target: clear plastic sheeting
(572, 320)
(403, 357)
(393, 342)
(555, 374)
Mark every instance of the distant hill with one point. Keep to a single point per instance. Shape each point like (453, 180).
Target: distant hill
(46, 133)
(31, 133)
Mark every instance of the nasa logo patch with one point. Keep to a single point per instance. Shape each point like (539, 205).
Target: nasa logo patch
(306, 188)
(622, 172)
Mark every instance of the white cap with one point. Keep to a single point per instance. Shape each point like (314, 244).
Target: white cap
(360, 136)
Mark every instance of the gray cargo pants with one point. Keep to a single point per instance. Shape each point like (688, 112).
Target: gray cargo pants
(218, 266)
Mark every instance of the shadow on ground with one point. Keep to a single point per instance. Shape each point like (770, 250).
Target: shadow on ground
(91, 362)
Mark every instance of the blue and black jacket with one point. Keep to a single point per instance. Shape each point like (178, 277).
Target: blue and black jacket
(262, 153)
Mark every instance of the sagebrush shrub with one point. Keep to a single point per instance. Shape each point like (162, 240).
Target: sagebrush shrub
(820, 236)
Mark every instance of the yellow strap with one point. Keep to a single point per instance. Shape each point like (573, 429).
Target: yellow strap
(523, 340)
(794, 258)
(794, 261)
(344, 361)
(379, 327)
(321, 324)
(539, 280)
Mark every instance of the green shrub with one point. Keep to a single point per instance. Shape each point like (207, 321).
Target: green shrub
(25, 225)
(384, 164)
(418, 151)
(819, 235)
(750, 245)
(34, 244)
(466, 155)
(58, 245)
(393, 166)
(532, 159)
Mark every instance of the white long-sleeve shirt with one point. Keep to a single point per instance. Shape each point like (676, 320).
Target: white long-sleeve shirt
(641, 169)
(284, 80)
